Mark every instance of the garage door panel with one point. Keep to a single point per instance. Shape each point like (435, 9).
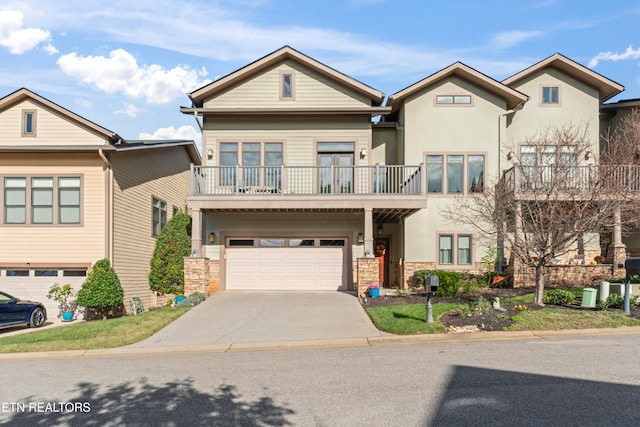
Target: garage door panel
(284, 268)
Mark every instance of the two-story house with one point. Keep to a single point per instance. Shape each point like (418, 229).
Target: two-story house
(298, 182)
(73, 192)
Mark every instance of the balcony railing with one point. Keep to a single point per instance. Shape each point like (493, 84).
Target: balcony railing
(306, 180)
(613, 178)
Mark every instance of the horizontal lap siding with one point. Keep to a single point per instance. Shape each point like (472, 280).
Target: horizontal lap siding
(51, 128)
(52, 243)
(298, 134)
(310, 90)
(138, 177)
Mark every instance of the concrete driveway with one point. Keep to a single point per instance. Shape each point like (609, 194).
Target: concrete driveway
(232, 317)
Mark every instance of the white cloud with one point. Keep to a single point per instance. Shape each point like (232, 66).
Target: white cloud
(120, 73)
(17, 38)
(511, 38)
(50, 49)
(630, 53)
(183, 132)
(130, 110)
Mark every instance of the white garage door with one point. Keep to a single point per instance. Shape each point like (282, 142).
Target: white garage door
(35, 287)
(284, 268)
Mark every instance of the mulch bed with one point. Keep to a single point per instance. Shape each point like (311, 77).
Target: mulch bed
(495, 320)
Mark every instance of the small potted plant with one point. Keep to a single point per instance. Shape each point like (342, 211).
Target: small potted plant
(599, 259)
(374, 290)
(65, 296)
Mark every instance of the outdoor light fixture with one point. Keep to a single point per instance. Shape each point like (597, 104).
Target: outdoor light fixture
(380, 229)
(212, 237)
(360, 238)
(210, 154)
(363, 152)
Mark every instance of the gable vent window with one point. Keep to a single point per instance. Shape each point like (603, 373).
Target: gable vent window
(453, 99)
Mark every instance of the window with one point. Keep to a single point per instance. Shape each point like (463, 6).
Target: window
(42, 200)
(159, 216)
(46, 273)
(260, 162)
(15, 200)
(453, 99)
(446, 249)
(455, 167)
(69, 200)
(550, 95)
(17, 273)
(434, 174)
(287, 85)
(462, 249)
(29, 123)
(547, 163)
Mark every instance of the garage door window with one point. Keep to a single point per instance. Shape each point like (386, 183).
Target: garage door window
(46, 273)
(302, 242)
(271, 242)
(331, 242)
(241, 242)
(17, 273)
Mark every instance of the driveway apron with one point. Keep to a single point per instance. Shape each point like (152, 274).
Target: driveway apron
(253, 317)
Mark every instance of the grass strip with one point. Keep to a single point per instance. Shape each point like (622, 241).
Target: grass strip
(92, 335)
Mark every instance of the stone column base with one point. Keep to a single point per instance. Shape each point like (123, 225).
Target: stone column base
(367, 274)
(616, 254)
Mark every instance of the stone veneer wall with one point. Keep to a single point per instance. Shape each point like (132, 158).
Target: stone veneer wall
(367, 273)
(408, 268)
(563, 275)
(196, 275)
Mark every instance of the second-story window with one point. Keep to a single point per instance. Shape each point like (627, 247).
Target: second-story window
(464, 173)
(550, 95)
(159, 216)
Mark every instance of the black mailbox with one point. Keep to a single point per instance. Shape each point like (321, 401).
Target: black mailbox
(432, 283)
(632, 265)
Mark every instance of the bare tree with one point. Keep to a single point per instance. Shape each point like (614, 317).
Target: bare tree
(553, 198)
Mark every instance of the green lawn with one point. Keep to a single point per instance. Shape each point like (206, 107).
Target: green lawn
(91, 335)
(409, 319)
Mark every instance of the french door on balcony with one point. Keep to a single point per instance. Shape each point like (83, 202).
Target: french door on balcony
(335, 173)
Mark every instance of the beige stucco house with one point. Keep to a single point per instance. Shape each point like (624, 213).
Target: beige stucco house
(74, 192)
(299, 184)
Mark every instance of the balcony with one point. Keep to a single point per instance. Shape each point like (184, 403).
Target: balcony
(575, 180)
(326, 181)
(387, 188)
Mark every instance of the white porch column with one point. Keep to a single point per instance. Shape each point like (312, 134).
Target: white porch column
(196, 232)
(368, 231)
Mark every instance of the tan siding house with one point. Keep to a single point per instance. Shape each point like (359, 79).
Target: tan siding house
(74, 192)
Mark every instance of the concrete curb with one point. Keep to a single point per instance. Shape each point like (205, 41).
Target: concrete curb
(328, 343)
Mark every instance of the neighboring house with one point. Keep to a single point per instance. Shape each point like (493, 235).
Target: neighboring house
(299, 184)
(74, 192)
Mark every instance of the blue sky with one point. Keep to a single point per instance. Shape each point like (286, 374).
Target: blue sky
(127, 65)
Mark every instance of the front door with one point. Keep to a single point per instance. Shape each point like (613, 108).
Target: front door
(381, 251)
(336, 172)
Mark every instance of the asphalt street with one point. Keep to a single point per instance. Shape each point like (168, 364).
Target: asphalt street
(591, 380)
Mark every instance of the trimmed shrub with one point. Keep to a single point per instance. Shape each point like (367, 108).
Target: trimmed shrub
(559, 297)
(449, 281)
(167, 263)
(102, 291)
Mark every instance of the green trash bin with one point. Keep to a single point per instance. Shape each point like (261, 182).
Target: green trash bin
(589, 297)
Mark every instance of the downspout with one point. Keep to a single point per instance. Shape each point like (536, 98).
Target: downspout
(200, 125)
(500, 242)
(108, 202)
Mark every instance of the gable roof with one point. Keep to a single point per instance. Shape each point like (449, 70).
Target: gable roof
(24, 93)
(607, 88)
(282, 54)
(458, 69)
